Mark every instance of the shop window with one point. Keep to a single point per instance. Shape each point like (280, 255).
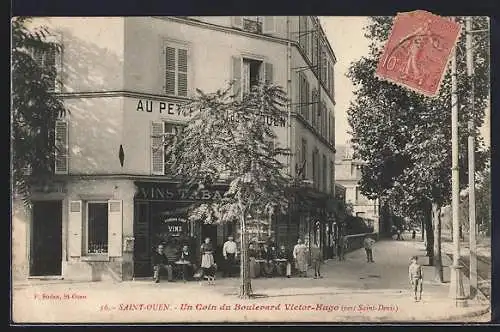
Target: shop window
(176, 70)
(97, 228)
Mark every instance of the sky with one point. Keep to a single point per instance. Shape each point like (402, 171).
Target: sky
(346, 36)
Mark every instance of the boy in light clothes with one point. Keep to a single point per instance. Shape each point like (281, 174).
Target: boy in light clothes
(416, 277)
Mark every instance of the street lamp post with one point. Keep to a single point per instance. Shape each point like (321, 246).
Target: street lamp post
(456, 283)
(471, 166)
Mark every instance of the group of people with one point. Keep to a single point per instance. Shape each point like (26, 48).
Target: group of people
(166, 258)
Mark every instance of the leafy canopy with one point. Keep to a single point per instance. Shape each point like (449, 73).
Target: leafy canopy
(405, 137)
(35, 108)
(226, 139)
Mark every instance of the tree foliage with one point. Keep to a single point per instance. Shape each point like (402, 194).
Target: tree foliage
(35, 108)
(226, 139)
(405, 137)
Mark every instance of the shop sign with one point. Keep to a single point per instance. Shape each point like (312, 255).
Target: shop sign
(49, 187)
(174, 226)
(155, 106)
(170, 192)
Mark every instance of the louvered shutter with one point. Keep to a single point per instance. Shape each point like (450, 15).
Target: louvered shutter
(157, 148)
(307, 94)
(315, 52)
(268, 73)
(302, 31)
(237, 22)
(49, 66)
(75, 229)
(236, 64)
(170, 70)
(268, 25)
(315, 107)
(182, 72)
(61, 147)
(115, 226)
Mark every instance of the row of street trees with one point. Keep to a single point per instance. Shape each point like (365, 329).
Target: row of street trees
(405, 137)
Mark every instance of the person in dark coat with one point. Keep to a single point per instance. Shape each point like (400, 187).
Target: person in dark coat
(160, 262)
(285, 268)
(185, 256)
(267, 255)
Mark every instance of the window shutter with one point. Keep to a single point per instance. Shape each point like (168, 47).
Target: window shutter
(237, 22)
(61, 145)
(49, 66)
(75, 229)
(115, 225)
(268, 72)
(157, 148)
(170, 70)
(236, 74)
(182, 72)
(307, 94)
(268, 25)
(315, 111)
(302, 31)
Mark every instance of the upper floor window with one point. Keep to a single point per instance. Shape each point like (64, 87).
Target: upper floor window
(160, 132)
(304, 93)
(247, 72)
(254, 24)
(252, 74)
(176, 70)
(47, 61)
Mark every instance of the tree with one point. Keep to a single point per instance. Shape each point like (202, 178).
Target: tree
(226, 139)
(405, 137)
(34, 106)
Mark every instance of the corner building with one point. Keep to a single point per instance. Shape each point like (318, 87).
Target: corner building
(122, 79)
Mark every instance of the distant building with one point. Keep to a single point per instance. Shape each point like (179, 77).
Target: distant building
(348, 175)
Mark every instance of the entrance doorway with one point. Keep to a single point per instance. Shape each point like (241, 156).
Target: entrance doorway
(46, 239)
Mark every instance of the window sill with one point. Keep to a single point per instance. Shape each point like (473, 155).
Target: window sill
(95, 258)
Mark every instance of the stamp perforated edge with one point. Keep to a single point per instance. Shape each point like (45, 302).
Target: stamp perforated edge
(443, 74)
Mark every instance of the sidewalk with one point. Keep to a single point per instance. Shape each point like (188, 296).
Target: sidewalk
(351, 291)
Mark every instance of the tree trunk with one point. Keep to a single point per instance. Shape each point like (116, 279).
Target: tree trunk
(429, 233)
(422, 221)
(245, 281)
(436, 221)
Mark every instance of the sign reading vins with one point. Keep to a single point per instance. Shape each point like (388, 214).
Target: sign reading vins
(171, 192)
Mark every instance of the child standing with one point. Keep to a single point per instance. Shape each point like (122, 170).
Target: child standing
(416, 276)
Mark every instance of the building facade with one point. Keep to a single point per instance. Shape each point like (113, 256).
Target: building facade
(122, 79)
(348, 174)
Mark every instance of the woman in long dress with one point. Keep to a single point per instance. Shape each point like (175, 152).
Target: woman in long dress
(207, 260)
(300, 256)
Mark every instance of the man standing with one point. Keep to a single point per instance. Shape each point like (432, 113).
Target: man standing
(229, 252)
(317, 258)
(368, 244)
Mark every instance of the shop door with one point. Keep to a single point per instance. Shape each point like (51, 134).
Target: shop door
(46, 239)
(142, 245)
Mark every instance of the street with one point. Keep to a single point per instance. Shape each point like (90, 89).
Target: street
(350, 291)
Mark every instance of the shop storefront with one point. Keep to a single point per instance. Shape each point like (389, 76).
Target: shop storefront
(161, 216)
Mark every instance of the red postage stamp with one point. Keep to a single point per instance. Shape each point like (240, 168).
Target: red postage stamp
(418, 50)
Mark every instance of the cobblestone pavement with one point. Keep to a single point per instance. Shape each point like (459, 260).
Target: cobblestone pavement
(350, 291)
